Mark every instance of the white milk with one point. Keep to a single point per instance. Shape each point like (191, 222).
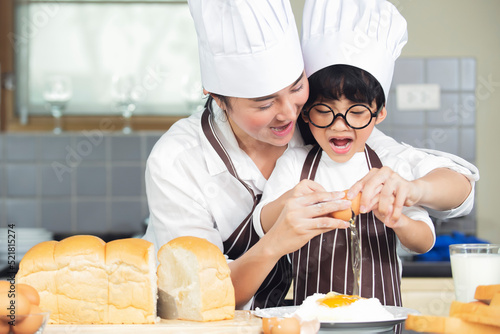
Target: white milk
(471, 270)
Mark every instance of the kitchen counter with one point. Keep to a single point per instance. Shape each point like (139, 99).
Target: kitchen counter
(426, 269)
(243, 322)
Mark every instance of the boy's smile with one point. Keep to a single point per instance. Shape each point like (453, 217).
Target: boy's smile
(340, 145)
(339, 140)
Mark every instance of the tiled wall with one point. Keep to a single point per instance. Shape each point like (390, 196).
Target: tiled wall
(451, 128)
(76, 182)
(94, 183)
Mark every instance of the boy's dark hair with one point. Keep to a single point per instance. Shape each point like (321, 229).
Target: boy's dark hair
(335, 81)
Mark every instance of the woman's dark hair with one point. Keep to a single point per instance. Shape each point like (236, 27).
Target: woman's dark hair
(335, 81)
(222, 98)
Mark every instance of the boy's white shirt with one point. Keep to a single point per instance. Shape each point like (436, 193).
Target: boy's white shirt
(407, 161)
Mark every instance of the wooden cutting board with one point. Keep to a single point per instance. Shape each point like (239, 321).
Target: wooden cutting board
(243, 322)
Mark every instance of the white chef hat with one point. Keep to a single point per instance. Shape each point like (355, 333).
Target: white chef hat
(368, 34)
(247, 48)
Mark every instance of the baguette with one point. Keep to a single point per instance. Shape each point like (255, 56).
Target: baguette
(485, 293)
(447, 325)
(477, 312)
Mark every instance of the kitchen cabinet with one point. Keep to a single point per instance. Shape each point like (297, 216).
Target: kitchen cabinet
(430, 296)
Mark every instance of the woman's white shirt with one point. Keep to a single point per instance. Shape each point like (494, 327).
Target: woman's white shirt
(189, 189)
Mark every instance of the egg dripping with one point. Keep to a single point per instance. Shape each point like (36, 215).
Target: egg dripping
(333, 300)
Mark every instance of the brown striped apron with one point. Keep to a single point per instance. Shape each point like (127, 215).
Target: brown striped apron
(273, 290)
(324, 263)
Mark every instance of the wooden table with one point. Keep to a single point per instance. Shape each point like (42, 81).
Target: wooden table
(243, 323)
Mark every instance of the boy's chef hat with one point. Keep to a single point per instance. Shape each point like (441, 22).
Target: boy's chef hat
(368, 34)
(247, 48)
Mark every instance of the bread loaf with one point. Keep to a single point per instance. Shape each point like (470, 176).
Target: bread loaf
(495, 301)
(193, 274)
(476, 312)
(81, 279)
(448, 325)
(475, 317)
(485, 293)
(131, 267)
(38, 269)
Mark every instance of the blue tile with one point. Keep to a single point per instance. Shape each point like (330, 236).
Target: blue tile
(443, 139)
(54, 147)
(3, 216)
(444, 72)
(21, 180)
(56, 215)
(126, 148)
(3, 182)
(467, 109)
(408, 71)
(127, 181)
(52, 184)
(447, 115)
(151, 141)
(404, 117)
(91, 181)
(91, 217)
(385, 128)
(89, 148)
(22, 212)
(468, 74)
(20, 147)
(414, 137)
(468, 144)
(126, 216)
(390, 106)
(1, 147)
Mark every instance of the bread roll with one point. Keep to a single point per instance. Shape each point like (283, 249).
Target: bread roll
(195, 274)
(131, 266)
(38, 269)
(83, 280)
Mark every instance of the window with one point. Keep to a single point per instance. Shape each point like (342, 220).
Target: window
(139, 53)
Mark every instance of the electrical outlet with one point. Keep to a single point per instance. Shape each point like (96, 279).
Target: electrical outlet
(418, 97)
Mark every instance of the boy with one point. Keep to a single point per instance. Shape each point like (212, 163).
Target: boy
(348, 91)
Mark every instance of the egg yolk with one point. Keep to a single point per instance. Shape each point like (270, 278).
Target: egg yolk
(337, 300)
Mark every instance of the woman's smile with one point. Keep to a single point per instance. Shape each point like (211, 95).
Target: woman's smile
(284, 130)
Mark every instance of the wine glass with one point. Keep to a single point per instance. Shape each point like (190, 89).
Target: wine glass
(124, 98)
(57, 93)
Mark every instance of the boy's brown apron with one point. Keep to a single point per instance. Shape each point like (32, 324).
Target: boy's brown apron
(324, 263)
(273, 290)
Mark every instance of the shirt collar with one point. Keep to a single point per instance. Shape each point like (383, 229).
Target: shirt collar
(225, 134)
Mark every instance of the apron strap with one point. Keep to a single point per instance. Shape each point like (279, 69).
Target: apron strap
(311, 163)
(372, 158)
(331, 250)
(275, 286)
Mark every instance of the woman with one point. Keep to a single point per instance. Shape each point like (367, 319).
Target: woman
(205, 176)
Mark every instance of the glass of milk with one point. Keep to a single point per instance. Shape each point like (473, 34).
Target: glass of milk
(473, 265)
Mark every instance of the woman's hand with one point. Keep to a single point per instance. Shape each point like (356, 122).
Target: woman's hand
(386, 192)
(304, 215)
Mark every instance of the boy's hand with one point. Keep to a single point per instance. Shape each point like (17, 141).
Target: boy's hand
(304, 214)
(385, 190)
